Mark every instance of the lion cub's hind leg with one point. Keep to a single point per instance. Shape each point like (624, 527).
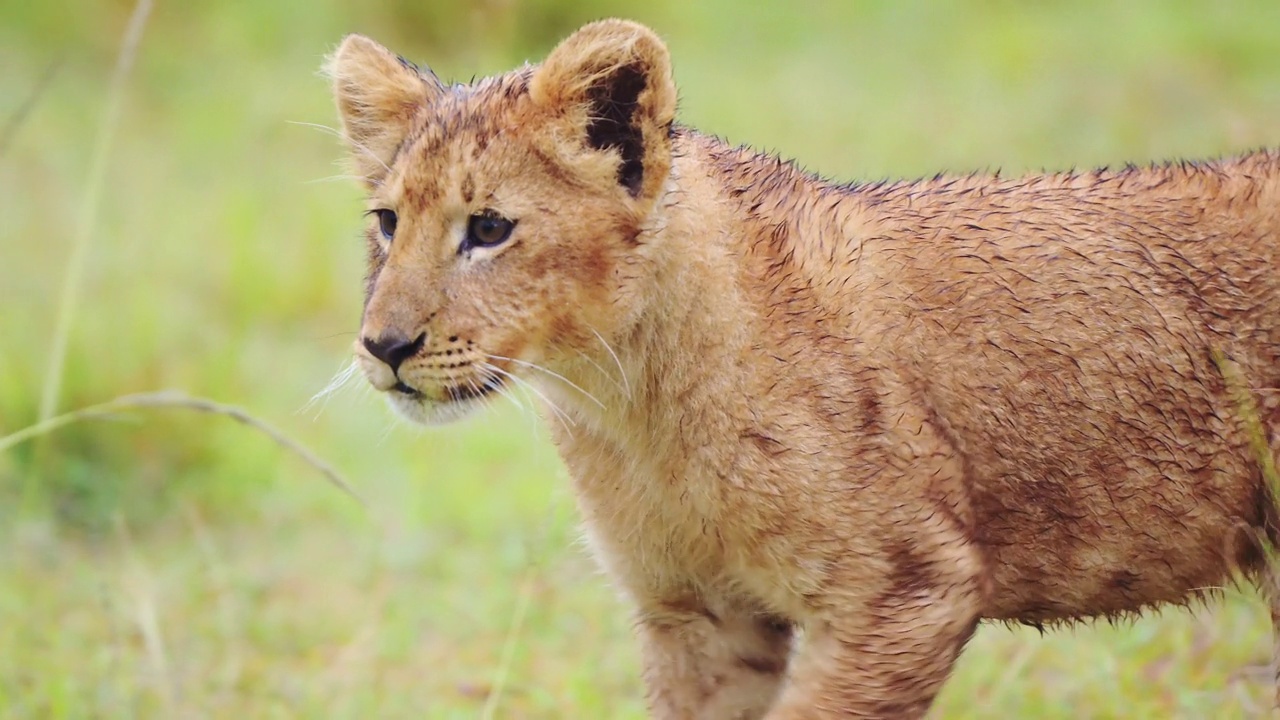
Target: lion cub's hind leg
(712, 664)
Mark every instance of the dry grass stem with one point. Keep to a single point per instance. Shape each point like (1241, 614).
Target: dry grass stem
(173, 399)
(1247, 407)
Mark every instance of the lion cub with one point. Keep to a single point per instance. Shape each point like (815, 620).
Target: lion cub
(818, 432)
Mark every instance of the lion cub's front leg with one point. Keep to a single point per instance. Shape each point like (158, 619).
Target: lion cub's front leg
(889, 657)
(700, 663)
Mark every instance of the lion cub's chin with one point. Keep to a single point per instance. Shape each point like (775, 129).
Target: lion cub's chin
(429, 412)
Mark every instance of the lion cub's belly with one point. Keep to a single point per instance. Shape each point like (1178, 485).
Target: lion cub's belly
(1111, 544)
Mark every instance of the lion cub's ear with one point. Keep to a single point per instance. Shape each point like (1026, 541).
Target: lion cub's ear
(610, 83)
(378, 95)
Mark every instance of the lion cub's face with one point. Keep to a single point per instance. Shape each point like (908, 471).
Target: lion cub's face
(505, 216)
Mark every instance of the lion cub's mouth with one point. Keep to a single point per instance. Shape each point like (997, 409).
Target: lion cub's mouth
(473, 391)
(403, 389)
(461, 392)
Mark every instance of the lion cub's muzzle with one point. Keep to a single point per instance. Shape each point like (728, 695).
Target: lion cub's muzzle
(424, 376)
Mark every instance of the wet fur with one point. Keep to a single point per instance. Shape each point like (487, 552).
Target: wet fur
(837, 425)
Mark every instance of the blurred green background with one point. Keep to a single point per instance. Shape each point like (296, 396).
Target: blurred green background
(168, 564)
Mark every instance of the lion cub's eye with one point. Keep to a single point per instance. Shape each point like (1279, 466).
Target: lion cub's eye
(487, 230)
(386, 223)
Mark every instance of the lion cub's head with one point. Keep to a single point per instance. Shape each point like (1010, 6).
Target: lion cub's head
(504, 216)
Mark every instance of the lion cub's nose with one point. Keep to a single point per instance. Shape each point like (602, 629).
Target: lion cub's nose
(393, 348)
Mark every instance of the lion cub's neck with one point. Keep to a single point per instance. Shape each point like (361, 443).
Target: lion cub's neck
(675, 379)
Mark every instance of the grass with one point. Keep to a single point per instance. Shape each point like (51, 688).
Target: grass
(88, 215)
(175, 565)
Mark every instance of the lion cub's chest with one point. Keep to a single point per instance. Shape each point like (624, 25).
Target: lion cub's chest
(649, 516)
(667, 523)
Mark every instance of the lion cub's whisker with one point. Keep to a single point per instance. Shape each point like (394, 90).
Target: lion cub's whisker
(345, 177)
(625, 382)
(340, 380)
(565, 420)
(343, 137)
(523, 402)
(553, 374)
(605, 374)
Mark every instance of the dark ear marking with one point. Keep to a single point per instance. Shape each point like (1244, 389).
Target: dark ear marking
(613, 105)
(609, 93)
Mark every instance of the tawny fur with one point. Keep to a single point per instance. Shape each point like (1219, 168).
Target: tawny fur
(836, 425)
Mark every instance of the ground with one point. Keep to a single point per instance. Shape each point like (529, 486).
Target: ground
(181, 564)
